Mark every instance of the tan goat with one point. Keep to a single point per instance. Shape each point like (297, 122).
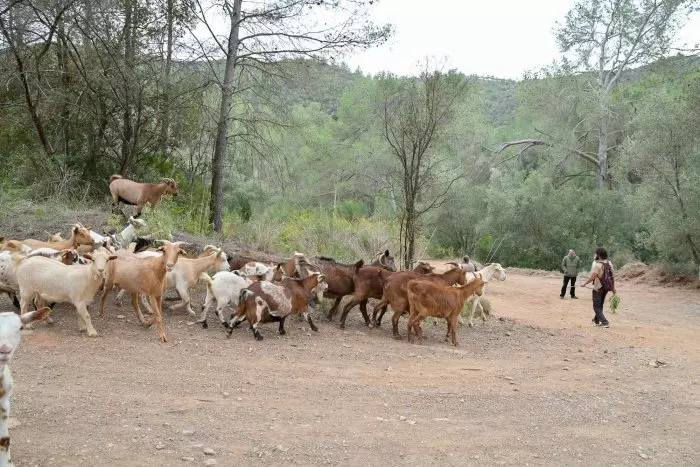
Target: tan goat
(146, 277)
(431, 299)
(138, 194)
(79, 236)
(52, 281)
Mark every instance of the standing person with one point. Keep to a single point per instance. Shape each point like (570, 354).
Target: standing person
(570, 265)
(603, 282)
(467, 264)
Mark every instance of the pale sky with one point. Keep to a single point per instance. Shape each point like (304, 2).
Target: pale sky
(501, 38)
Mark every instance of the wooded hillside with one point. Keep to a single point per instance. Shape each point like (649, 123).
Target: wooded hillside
(324, 159)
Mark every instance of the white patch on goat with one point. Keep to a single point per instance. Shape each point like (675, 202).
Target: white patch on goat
(254, 269)
(277, 293)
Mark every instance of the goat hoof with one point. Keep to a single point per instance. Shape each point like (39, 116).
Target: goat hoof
(282, 333)
(163, 339)
(258, 337)
(398, 337)
(342, 326)
(314, 328)
(92, 333)
(205, 325)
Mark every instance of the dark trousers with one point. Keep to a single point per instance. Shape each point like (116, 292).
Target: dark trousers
(598, 301)
(566, 282)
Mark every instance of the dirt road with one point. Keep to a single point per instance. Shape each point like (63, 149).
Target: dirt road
(537, 384)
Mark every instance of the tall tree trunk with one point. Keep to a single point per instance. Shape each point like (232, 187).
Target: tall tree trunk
(602, 176)
(165, 104)
(16, 44)
(92, 125)
(129, 52)
(217, 163)
(62, 56)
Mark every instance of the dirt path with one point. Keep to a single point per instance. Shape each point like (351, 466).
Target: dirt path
(537, 384)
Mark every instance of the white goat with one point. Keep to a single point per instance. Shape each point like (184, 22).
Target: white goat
(136, 228)
(55, 282)
(8, 268)
(10, 325)
(489, 272)
(224, 289)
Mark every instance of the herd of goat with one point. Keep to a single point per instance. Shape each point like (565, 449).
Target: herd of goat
(73, 270)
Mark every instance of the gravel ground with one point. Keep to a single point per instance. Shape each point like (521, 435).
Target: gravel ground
(536, 384)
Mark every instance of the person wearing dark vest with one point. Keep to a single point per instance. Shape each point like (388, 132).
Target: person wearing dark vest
(570, 266)
(603, 282)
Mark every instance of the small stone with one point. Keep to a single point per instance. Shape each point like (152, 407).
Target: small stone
(509, 334)
(643, 456)
(402, 418)
(239, 398)
(208, 452)
(411, 422)
(188, 432)
(389, 368)
(121, 317)
(187, 459)
(210, 462)
(566, 368)
(159, 447)
(225, 394)
(566, 359)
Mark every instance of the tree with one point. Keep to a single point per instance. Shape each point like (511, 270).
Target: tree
(662, 157)
(415, 113)
(603, 39)
(272, 31)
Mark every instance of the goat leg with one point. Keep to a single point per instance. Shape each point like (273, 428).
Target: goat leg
(137, 310)
(156, 304)
(363, 310)
(307, 316)
(333, 309)
(395, 324)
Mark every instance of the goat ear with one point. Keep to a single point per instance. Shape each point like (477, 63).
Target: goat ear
(112, 257)
(386, 253)
(182, 252)
(87, 256)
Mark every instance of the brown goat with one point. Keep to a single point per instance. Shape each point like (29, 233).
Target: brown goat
(396, 293)
(79, 236)
(427, 298)
(368, 282)
(384, 260)
(339, 278)
(145, 276)
(138, 194)
(422, 267)
(289, 297)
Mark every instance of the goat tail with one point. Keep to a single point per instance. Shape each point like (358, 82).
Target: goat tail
(356, 267)
(114, 177)
(244, 294)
